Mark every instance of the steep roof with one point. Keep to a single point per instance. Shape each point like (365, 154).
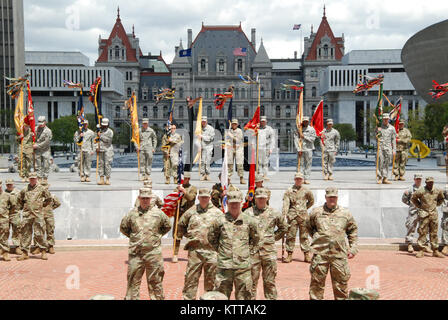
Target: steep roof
(262, 58)
(118, 31)
(325, 28)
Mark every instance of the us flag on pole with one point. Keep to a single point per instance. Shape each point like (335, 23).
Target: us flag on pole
(170, 203)
(297, 27)
(242, 52)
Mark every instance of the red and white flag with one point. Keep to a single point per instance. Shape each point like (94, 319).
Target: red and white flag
(242, 52)
(170, 203)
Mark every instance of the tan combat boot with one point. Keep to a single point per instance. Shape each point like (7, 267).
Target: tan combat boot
(242, 181)
(428, 249)
(101, 183)
(24, 256)
(202, 178)
(107, 181)
(51, 250)
(307, 257)
(437, 254)
(326, 177)
(420, 254)
(167, 180)
(83, 179)
(266, 178)
(288, 258)
(5, 256)
(306, 182)
(445, 250)
(175, 259)
(402, 179)
(207, 178)
(44, 255)
(18, 251)
(379, 181)
(87, 179)
(396, 178)
(385, 181)
(330, 177)
(36, 251)
(410, 248)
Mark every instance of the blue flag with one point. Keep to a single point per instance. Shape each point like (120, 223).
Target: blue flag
(185, 53)
(230, 112)
(180, 167)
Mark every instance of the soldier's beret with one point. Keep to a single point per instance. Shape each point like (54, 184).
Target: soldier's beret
(204, 192)
(261, 193)
(363, 294)
(235, 196)
(331, 192)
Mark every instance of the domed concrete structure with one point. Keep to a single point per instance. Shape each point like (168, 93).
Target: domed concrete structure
(425, 58)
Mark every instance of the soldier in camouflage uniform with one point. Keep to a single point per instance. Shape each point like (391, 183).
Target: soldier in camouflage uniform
(145, 227)
(49, 219)
(175, 142)
(259, 180)
(427, 200)
(207, 138)
(330, 226)
(43, 149)
(26, 139)
(413, 219)
(105, 152)
(235, 150)
(194, 226)
(86, 151)
(266, 144)
(264, 256)
(218, 192)
(166, 155)
(331, 139)
(32, 200)
(232, 235)
(148, 145)
(403, 140)
(305, 146)
(7, 203)
(296, 202)
(188, 199)
(444, 225)
(387, 146)
(14, 216)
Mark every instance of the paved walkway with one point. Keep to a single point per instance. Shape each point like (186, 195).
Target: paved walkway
(397, 275)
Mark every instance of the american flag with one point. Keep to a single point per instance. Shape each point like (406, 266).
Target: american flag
(170, 203)
(297, 27)
(242, 52)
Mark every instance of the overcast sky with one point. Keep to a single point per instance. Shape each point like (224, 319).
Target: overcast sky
(61, 25)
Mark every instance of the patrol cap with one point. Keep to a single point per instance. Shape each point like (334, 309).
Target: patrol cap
(234, 196)
(234, 121)
(306, 119)
(204, 192)
(331, 192)
(33, 175)
(429, 179)
(213, 295)
(8, 181)
(41, 119)
(204, 118)
(263, 118)
(330, 121)
(363, 294)
(299, 175)
(402, 121)
(259, 178)
(418, 176)
(145, 193)
(187, 174)
(261, 193)
(386, 116)
(145, 120)
(104, 122)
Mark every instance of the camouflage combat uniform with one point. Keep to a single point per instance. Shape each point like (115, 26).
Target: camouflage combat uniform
(427, 202)
(27, 154)
(43, 151)
(166, 157)
(235, 151)
(387, 147)
(176, 143)
(401, 158)
(296, 202)
(106, 154)
(148, 144)
(413, 217)
(85, 153)
(444, 223)
(218, 192)
(266, 144)
(145, 229)
(7, 203)
(329, 230)
(14, 218)
(49, 220)
(264, 256)
(32, 200)
(306, 160)
(232, 239)
(208, 138)
(331, 139)
(194, 225)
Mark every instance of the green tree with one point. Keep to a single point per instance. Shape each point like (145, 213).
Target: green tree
(122, 135)
(347, 133)
(435, 118)
(417, 126)
(64, 129)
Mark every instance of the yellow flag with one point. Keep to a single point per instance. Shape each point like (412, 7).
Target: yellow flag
(18, 113)
(134, 120)
(198, 130)
(299, 117)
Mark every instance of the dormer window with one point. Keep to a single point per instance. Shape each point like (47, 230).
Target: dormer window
(203, 65)
(117, 52)
(221, 65)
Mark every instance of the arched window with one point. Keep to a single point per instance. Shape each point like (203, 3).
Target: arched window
(221, 65)
(117, 112)
(145, 112)
(155, 112)
(326, 50)
(181, 112)
(278, 112)
(117, 52)
(240, 65)
(209, 112)
(129, 92)
(203, 65)
(181, 93)
(313, 91)
(288, 111)
(206, 93)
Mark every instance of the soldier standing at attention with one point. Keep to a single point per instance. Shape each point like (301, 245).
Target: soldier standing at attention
(194, 224)
(259, 180)
(296, 202)
(49, 218)
(43, 149)
(148, 145)
(305, 152)
(175, 142)
(427, 200)
(32, 200)
(331, 226)
(86, 151)
(155, 200)
(188, 199)
(7, 203)
(218, 192)
(14, 216)
(331, 139)
(26, 139)
(166, 154)
(272, 227)
(387, 140)
(266, 143)
(403, 141)
(235, 150)
(232, 235)
(207, 138)
(145, 227)
(105, 151)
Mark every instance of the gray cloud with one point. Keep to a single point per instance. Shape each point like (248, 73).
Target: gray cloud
(160, 25)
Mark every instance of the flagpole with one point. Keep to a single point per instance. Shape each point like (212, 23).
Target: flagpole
(323, 166)
(259, 106)
(21, 157)
(175, 227)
